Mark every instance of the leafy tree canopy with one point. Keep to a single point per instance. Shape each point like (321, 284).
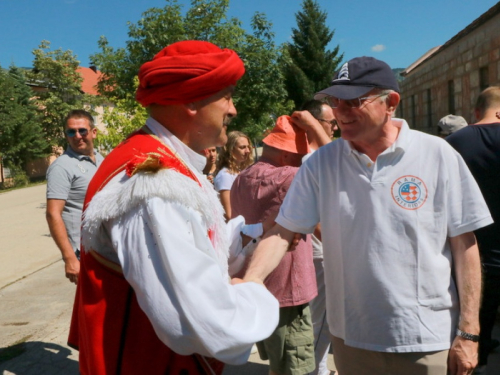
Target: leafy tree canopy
(121, 120)
(20, 132)
(261, 95)
(307, 64)
(58, 89)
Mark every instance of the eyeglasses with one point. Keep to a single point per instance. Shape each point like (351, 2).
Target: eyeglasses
(331, 122)
(72, 132)
(352, 103)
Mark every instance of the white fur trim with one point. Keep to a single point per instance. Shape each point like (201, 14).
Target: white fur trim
(119, 197)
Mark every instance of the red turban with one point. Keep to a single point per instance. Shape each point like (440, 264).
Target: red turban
(186, 72)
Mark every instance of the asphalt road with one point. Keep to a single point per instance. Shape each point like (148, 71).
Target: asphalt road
(25, 242)
(36, 299)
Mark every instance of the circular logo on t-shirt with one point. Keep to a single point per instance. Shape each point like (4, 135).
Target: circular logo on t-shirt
(409, 192)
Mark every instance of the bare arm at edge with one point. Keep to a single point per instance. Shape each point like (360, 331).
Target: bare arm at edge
(316, 135)
(225, 199)
(463, 357)
(268, 254)
(317, 231)
(60, 235)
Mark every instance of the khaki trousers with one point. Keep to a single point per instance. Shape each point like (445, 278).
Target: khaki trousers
(354, 361)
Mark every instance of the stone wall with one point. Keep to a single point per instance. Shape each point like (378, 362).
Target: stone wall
(466, 66)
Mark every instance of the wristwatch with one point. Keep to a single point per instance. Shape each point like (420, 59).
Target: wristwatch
(467, 336)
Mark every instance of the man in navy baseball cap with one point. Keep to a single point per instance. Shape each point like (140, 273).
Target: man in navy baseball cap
(363, 87)
(359, 76)
(397, 209)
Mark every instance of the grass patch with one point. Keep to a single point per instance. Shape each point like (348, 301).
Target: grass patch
(14, 350)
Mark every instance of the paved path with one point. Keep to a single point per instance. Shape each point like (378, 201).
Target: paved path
(36, 299)
(25, 242)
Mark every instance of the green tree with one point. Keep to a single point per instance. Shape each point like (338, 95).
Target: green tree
(260, 94)
(54, 72)
(307, 64)
(20, 131)
(121, 119)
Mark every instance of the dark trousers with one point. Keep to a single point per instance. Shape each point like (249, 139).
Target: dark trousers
(488, 313)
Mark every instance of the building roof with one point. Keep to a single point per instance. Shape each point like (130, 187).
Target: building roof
(419, 61)
(90, 79)
(481, 20)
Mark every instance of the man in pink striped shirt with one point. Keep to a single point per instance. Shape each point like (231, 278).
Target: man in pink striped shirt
(257, 194)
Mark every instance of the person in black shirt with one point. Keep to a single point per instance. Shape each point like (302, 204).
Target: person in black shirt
(479, 145)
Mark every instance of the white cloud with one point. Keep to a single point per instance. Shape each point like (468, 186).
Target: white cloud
(378, 48)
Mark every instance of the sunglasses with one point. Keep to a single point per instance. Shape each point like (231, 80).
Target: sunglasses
(331, 122)
(72, 132)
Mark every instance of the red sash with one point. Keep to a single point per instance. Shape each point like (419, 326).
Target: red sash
(112, 333)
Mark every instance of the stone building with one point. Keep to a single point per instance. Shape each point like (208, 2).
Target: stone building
(448, 78)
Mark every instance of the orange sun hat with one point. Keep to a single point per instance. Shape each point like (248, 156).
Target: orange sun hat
(287, 137)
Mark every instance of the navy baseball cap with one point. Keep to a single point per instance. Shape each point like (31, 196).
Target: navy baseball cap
(359, 76)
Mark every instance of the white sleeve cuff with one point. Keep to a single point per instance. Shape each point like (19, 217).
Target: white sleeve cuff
(253, 230)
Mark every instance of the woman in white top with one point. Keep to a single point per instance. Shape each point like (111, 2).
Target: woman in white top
(234, 157)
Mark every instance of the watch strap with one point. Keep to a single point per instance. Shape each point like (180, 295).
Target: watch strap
(467, 336)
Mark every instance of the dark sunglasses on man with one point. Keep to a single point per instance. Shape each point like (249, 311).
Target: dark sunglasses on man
(331, 122)
(72, 132)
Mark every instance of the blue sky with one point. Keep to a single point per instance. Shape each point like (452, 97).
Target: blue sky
(396, 31)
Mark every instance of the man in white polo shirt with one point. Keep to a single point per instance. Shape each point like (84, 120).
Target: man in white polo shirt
(397, 209)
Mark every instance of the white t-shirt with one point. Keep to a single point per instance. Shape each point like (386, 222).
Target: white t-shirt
(316, 242)
(385, 226)
(224, 180)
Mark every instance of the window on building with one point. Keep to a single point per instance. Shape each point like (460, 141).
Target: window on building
(428, 107)
(413, 110)
(483, 78)
(451, 97)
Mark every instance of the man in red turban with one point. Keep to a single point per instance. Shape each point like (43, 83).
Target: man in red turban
(187, 72)
(154, 294)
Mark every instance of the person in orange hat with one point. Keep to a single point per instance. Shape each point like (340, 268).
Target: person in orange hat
(257, 194)
(154, 294)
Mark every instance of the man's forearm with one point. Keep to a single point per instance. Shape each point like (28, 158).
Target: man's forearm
(468, 277)
(268, 254)
(463, 355)
(60, 236)
(316, 135)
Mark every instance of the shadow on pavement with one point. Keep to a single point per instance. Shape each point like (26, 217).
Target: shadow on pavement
(249, 368)
(40, 358)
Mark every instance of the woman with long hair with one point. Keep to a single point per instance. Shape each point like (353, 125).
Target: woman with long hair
(235, 156)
